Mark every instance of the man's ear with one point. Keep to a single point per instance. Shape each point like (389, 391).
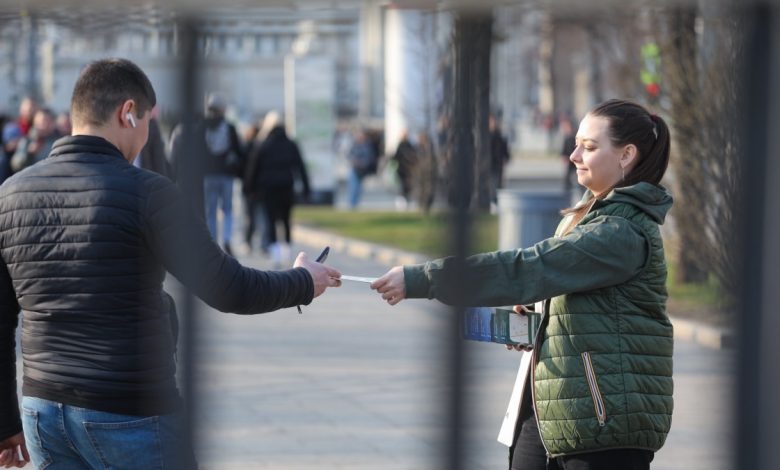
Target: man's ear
(628, 157)
(127, 112)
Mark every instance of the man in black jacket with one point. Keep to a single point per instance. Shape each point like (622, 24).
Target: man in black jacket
(85, 241)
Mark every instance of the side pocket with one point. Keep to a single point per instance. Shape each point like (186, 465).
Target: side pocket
(595, 392)
(127, 444)
(32, 436)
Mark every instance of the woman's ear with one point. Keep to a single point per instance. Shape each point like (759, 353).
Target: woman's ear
(628, 157)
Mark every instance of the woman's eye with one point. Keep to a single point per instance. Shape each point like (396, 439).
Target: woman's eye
(590, 149)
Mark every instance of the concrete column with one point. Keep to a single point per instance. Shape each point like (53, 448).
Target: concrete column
(371, 65)
(546, 44)
(410, 72)
(31, 80)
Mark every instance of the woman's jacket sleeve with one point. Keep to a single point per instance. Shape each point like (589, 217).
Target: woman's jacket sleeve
(604, 252)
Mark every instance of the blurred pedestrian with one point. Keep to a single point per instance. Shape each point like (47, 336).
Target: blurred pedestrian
(63, 124)
(87, 239)
(426, 174)
(5, 158)
(37, 144)
(499, 156)
(362, 156)
(405, 158)
(15, 130)
(254, 211)
(190, 160)
(570, 185)
(224, 165)
(153, 156)
(598, 389)
(273, 167)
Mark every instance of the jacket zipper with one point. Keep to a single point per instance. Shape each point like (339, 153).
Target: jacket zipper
(595, 393)
(534, 359)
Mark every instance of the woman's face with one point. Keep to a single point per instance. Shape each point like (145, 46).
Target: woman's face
(596, 159)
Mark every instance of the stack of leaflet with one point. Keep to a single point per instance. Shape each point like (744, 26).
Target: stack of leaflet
(500, 325)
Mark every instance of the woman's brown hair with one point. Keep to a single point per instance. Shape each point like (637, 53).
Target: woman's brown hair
(631, 123)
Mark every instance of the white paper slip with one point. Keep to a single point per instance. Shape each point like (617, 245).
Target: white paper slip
(368, 280)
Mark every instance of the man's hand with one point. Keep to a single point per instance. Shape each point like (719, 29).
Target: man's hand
(9, 452)
(323, 276)
(392, 285)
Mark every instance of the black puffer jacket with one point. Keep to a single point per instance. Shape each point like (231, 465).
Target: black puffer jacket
(85, 240)
(274, 165)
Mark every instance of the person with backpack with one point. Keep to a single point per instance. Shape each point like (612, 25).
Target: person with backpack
(225, 155)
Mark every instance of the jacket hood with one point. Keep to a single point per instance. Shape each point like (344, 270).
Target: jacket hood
(654, 200)
(278, 132)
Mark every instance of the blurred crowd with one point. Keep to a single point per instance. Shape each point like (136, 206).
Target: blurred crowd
(258, 164)
(28, 137)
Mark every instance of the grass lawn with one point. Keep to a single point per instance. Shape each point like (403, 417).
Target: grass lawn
(416, 232)
(410, 231)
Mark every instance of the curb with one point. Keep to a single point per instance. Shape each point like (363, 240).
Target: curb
(355, 248)
(705, 335)
(702, 334)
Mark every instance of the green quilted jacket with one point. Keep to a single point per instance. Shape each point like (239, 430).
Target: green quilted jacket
(603, 362)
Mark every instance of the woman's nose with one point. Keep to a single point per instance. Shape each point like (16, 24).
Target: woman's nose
(575, 155)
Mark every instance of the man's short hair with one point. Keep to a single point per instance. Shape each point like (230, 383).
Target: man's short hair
(104, 85)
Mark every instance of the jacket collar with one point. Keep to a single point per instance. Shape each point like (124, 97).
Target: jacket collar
(652, 199)
(81, 144)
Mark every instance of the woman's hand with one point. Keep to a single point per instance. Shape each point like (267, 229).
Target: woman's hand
(392, 285)
(520, 347)
(520, 310)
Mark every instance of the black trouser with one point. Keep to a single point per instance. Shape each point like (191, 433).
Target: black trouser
(256, 214)
(278, 205)
(528, 452)
(250, 204)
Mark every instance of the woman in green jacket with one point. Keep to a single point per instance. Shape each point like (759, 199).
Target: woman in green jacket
(598, 394)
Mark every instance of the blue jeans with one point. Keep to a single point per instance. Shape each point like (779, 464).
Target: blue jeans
(63, 437)
(218, 191)
(354, 188)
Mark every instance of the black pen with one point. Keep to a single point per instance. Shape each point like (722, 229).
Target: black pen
(320, 259)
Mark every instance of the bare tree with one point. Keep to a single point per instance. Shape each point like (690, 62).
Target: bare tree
(700, 80)
(484, 181)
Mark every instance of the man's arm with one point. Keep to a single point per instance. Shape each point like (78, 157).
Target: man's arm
(10, 421)
(184, 246)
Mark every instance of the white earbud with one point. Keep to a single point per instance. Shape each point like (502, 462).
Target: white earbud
(130, 118)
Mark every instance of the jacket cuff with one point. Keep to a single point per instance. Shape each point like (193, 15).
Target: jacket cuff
(308, 291)
(417, 283)
(12, 426)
